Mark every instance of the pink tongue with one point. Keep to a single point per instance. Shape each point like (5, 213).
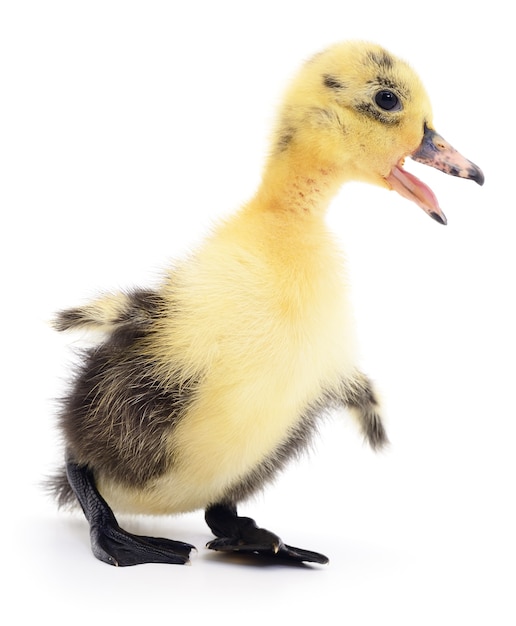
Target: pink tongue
(412, 188)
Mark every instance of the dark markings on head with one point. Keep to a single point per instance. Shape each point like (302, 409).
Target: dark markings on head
(369, 109)
(382, 59)
(333, 83)
(286, 135)
(384, 82)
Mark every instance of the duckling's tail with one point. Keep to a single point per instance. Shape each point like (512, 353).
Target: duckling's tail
(59, 489)
(113, 312)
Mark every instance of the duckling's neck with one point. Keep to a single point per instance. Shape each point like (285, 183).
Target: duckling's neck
(298, 183)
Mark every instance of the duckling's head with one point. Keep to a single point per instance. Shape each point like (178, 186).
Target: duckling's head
(359, 111)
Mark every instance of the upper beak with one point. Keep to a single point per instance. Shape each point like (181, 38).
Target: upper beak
(437, 152)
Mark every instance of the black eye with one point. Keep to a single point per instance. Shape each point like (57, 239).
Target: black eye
(387, 100)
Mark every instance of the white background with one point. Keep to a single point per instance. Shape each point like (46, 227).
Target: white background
(127, 128)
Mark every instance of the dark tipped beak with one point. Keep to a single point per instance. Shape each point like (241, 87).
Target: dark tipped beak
(437, 152)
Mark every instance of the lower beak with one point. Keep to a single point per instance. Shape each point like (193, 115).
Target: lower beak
(436, 152)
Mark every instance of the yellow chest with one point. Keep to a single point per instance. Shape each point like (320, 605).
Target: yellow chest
(262, 319)
(267, 323)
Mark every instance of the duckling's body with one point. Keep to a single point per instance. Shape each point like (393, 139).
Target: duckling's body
(264, 368)
(207, 386)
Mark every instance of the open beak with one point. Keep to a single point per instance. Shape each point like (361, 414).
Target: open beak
(437, 152)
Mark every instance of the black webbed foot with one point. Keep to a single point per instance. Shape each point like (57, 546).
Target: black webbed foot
(114, 545)
(241, 534)
(109, 542)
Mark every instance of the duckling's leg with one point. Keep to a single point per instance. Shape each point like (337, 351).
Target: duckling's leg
(241, 534)
(109, 542)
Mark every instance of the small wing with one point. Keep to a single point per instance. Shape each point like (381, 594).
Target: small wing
(113, 312)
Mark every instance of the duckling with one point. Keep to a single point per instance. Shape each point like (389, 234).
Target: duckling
(205, 387)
